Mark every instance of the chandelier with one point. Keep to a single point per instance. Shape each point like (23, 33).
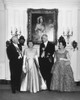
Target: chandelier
(16, 32)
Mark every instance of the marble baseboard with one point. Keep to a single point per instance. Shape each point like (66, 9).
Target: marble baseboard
(4, 81)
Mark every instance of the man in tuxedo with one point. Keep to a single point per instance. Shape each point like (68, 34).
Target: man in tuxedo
(15, 62)
(46, 59)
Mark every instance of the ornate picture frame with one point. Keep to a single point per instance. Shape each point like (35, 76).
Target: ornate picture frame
(42, 21)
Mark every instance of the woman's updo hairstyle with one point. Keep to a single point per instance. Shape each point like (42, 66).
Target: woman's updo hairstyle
(62, 40)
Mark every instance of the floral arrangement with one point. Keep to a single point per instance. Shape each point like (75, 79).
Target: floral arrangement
(75, 45)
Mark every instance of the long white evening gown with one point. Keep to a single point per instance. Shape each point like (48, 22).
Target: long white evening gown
(33, 80)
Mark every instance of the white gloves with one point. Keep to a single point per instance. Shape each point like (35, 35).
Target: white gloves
(24, 64)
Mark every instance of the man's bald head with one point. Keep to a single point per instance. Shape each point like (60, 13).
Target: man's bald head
(15, 39)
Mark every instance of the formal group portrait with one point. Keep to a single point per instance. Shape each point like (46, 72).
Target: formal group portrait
(46, 68)
(39, 49)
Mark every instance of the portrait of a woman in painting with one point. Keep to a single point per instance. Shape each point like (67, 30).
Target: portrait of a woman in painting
(42, 21)
(39, 28)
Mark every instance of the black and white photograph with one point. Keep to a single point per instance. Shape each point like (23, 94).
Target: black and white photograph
(39, 49)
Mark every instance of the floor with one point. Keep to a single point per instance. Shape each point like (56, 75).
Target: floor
(6, 94)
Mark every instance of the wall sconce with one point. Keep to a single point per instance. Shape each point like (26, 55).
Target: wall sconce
(68, 34)
(16, 33)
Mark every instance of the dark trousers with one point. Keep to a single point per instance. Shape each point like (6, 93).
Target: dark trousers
(15, 71)
(45, 68)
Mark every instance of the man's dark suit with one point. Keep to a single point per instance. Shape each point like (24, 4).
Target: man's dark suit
(15, 67)
(47, 61)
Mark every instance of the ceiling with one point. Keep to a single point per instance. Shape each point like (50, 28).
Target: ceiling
(30, 1)
(23, 2)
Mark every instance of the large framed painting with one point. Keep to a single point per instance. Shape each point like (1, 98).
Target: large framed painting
(42, 21)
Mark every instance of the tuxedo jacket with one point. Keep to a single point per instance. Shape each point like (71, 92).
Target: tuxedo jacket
(13, 55)
(49, 49)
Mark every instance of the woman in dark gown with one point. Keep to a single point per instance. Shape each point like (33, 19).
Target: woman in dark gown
(62, 74)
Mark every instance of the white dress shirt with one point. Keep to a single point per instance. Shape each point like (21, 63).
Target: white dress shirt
(45, 43)
(15, 45)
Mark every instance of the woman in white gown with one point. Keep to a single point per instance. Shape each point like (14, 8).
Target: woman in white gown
(33, 80)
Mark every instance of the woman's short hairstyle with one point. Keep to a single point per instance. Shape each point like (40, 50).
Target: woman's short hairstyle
(29, 41)
(62, 40)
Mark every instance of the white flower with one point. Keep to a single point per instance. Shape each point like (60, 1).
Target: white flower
(43, 49)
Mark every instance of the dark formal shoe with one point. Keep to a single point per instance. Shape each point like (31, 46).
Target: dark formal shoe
(48, 89)
(13, 91)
